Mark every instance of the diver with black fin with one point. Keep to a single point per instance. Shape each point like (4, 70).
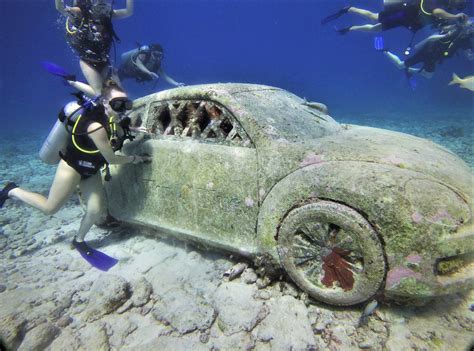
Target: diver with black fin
(433, 50)
(90, 33)
(144, 64)
(83, 140)
(412, 14)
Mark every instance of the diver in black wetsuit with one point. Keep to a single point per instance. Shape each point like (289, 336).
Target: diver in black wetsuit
(90, 33)
(437, 47)
(95, 135)
(412, 14)
(144, 64)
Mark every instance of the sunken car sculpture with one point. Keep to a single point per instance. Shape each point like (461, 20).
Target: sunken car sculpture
(347, 211)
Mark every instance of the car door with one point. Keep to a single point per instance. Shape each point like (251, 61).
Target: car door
(202, 181)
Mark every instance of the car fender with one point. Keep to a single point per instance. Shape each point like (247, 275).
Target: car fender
(381, 193)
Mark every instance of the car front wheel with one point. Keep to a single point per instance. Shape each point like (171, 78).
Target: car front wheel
(332, 252)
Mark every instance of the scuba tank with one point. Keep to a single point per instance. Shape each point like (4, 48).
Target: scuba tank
(59, 136)
(387, 4)
(128, 67)
(126, 57)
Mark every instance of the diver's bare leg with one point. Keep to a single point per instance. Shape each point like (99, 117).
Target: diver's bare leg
(395, 60)
(93, 77)
(64, 184)
(93, 194)
(373, 16)
(115, 77)
(371, 28)
(401, 65)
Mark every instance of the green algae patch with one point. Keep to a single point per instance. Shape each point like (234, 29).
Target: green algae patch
(437, 343)
(453, 264)
(413, 287)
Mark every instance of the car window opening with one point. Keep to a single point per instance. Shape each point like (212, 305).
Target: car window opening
(202, 120)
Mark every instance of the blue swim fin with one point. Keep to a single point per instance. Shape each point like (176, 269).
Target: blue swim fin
(96, 258)
(56, 70)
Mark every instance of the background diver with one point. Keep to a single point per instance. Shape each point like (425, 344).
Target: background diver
(88, 148)
(90, 33)
(437, 47)
(412, 14)
(144, 64)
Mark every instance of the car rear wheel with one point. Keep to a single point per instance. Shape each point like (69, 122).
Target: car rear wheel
(332, 252)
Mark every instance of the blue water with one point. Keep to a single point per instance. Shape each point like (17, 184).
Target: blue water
(273, 42)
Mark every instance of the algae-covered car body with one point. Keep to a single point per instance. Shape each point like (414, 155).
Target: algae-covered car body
(347, 211)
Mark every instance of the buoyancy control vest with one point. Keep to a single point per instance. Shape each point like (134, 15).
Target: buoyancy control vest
(69, 135)
(129, 69)
(416, 13)
(91, 34)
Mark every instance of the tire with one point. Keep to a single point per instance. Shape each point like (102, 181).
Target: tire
(332, 252)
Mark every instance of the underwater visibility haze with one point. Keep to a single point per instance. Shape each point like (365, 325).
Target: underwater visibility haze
(161, 294)
(277, 43)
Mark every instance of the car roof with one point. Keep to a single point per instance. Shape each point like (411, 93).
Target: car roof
(277, 113)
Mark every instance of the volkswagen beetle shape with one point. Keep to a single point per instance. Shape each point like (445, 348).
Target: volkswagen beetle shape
(347, 211)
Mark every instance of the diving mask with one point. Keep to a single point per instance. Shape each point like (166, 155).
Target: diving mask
(121, 104)
(157, 54)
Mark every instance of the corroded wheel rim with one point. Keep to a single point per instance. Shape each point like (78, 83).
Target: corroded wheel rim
(331, 252)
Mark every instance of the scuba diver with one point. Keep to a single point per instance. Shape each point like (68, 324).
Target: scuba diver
(437, 47)
(412, 14)
(90, 33)
(84, 139)
(144, 64)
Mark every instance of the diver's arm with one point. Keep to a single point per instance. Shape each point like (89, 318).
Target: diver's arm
(443, 14)
(60, 6)
(67, 10)
(126, 12)
(170, 80)
(85, 88)
(142, 68)
(99, 136)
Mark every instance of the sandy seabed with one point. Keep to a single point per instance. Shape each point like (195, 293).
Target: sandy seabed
(171, 296)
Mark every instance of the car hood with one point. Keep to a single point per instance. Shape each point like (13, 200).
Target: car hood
(366, 144)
